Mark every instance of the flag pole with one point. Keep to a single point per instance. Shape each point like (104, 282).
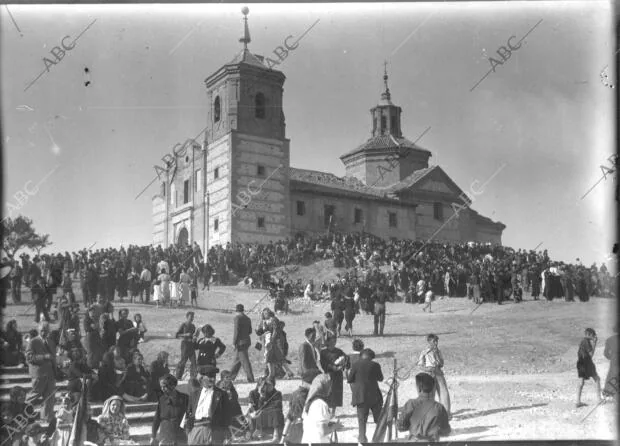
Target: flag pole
(393, 403)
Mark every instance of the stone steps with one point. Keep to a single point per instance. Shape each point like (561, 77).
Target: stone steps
(139, 415)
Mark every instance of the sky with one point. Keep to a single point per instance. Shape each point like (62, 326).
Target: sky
(90, 129)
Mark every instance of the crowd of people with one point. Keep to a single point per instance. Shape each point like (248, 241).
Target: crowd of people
(171, 276)
(98, 352)
(211, 413)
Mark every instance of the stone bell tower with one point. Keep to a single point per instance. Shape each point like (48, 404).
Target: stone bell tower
(247, 153)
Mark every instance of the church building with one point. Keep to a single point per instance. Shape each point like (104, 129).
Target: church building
(238, 185)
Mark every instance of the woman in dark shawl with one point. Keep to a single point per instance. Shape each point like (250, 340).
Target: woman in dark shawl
(333, 361)
(158, 369)
(266, 408)
(12, 345)
(92, 339)
(135, 387)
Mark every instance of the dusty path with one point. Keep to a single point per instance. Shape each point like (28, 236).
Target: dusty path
(510, 368)
(499, 407)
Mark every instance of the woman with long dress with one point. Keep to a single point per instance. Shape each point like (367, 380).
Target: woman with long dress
(266, 408)
(133, 282)
(157, 293)
(171, 409)
(164, 280)
(185, 282)
(64, 422)
(332, 361)
(350, 308)
(316, 414)
(135, 386)
(174, 294)
(12, 345)
(121, 282)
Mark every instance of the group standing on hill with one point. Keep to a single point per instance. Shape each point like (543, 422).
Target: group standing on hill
(103, 347)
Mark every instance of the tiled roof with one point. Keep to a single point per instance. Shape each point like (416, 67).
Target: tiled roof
(248, 58)
(409, 181)
(348, 184)
(385, 142)
(487, 220)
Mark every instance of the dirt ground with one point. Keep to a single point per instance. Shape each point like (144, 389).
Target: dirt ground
(511, 369)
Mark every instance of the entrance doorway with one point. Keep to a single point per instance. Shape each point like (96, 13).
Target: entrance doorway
(183, 238)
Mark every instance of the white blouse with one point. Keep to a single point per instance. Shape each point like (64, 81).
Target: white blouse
(315, 423)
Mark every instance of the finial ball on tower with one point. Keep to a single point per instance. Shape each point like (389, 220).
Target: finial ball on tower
(245, 10)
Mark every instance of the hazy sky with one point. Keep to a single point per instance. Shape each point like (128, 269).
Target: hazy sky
(544, 114)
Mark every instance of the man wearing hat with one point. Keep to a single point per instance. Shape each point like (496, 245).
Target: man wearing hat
(423, 417)
(208, 413)
(241, 341)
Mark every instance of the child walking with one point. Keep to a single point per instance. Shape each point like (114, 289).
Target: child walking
(139, 324)
(64, 423)
(428, 298)
(585, 366)
(431, 360)
(157, 293)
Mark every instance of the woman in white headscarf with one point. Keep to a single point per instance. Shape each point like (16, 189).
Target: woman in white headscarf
(113, 421)
(316, 414)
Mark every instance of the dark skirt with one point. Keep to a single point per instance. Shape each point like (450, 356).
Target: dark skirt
(94, 349)
(270, 418)
(339, 316)
(582, 291)
(335, 396)
(349, 315)
(536, 287)
(12, 357)
(274, 354)
(586, 368)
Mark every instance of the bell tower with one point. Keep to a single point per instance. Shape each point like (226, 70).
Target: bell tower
(387, 157)
(246, 143)
(386, 116)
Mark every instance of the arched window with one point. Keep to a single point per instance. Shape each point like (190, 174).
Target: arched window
(216, 109)
(259, 103)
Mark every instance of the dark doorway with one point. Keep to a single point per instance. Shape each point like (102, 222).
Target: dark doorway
(183, 237)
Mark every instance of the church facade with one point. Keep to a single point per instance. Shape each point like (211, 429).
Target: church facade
(238, 186)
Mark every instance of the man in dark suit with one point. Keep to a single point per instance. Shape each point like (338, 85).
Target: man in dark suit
(307, 353)
(241, 344)
(41, 358)
(208, 413)
(364, 377)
